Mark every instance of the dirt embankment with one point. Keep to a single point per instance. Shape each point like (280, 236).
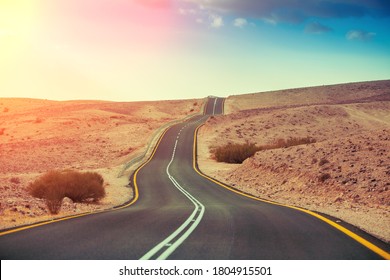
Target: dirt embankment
(40, 135)
(346, 173)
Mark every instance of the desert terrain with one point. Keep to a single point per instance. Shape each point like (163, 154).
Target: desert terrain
(345, 173)
(41, 135)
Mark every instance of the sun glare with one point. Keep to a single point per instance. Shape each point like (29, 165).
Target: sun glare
(18, 15)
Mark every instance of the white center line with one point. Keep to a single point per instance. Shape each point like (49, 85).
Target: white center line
(215, 103)
(180, 234)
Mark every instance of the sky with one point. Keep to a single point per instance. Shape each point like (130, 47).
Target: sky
(132, 50)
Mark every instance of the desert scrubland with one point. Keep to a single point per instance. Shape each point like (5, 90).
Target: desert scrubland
(345, 173)
(41, 135)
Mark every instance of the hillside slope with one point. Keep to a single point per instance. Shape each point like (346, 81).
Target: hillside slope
(346, 173)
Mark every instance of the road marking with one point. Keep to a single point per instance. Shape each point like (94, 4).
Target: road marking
(45, 223)
(215, 103)
(184, 231)
(354, 236)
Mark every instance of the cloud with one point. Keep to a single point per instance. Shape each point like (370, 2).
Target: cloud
(273, 20)
(185, 12)
(317, 28)
(240, 22)
(294, 11)
(216, 21)
(360, 35)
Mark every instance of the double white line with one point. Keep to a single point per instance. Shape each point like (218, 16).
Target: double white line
(215, 104)
(165, 248)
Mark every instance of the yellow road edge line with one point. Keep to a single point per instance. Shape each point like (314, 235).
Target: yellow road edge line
(135, 198)
(354, 236)
(136, 192)
(43, 223)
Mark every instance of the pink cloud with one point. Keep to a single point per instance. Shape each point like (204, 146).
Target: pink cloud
(111, 21)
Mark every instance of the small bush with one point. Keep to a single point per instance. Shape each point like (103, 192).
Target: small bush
(323, 161)
(79, 187)
(323, 177)
(54, 205)
(85, 187)
(235, 153)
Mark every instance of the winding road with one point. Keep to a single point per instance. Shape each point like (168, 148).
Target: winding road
(179, 213)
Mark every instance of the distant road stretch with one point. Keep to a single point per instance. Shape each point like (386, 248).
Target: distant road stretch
(180, 214)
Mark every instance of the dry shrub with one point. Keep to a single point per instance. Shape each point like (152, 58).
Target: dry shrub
(79, 187)
(323, 161)
(237, 153)
(85, 187)
(54, 205)
(323, 177)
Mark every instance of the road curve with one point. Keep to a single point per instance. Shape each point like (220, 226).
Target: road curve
(179, 214)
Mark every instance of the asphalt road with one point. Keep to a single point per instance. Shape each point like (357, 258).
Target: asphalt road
(180, 214)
